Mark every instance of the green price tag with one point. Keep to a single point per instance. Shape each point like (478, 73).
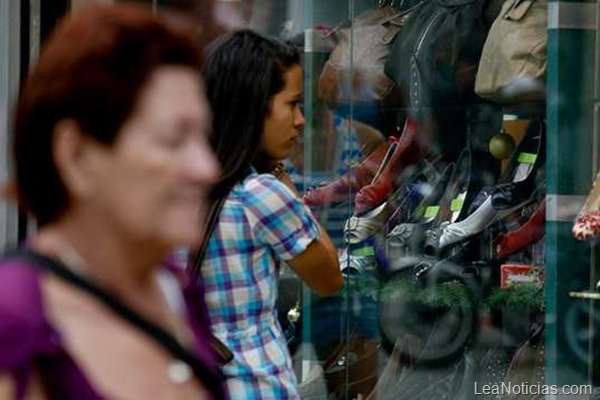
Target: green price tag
(431, 211)
(527, 158)
(365, 251)
(457, 204)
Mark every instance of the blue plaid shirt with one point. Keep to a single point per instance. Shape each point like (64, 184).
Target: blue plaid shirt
(262, 223)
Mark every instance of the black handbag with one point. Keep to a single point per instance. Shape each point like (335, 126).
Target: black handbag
(434, 58)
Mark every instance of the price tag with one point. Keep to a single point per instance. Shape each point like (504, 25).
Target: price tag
(457, 204)
(527, 158)
(431, 211)
(365, 251)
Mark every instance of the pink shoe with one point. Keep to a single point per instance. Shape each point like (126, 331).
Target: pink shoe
(587, 225)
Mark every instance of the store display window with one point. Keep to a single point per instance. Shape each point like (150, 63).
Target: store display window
(450, 151)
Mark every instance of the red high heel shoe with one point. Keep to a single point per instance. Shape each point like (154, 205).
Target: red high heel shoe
(530, 232)
(587, 224)
(408, 152)
(340, 189)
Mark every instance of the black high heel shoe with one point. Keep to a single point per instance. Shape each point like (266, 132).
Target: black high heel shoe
(407, 198)
(529, 156)
(408, 237)
(451, 203)
(521, 174)
(473, 171)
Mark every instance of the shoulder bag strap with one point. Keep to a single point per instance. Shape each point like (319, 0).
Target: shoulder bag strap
(211, 223)
(223, 352)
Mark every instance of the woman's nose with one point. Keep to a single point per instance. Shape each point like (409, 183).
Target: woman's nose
(203, 165)
(299, 119)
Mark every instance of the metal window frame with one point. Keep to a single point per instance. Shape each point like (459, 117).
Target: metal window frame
(10, 23)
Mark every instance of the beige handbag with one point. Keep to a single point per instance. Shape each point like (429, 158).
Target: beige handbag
(355, 68)
(513, 62)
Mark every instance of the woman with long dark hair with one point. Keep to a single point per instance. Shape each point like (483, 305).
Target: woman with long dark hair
(255, 87)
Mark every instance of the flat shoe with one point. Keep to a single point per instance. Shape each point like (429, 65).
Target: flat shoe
(358, 229)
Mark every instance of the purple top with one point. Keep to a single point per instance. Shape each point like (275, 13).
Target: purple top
(27, 339)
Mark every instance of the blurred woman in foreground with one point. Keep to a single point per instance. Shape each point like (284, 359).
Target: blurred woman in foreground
(112, 159)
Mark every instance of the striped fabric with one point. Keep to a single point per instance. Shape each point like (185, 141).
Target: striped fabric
(262, 223)
(348, 154)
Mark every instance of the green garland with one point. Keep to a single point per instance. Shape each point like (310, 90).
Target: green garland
(447, 294)
(526, 295)
(443, 295)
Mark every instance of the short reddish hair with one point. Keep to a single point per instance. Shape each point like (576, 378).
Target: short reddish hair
(92, 70)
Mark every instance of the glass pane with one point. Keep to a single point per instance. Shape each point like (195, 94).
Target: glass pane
(450, 151)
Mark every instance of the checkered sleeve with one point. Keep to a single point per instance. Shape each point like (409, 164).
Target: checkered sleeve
(278, 217)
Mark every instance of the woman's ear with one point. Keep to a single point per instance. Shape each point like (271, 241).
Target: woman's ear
(71, 150)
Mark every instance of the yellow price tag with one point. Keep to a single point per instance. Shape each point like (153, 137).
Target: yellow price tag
(527, 158)
(431, 211)
(457, 204)
(365, 251)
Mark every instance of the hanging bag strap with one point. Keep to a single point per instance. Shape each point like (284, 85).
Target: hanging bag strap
(210, 380)
(223, 352)
(211, 223)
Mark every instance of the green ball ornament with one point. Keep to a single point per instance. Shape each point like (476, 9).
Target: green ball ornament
(501, 146)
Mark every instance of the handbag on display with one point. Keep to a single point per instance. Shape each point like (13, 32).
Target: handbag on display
(433, 61)
(514, 58)
(355, 68)
(434, 58)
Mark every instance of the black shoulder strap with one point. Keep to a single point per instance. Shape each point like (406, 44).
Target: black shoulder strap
(211, 222)
(210, 379)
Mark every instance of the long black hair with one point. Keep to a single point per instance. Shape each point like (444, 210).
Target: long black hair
(243, 72)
